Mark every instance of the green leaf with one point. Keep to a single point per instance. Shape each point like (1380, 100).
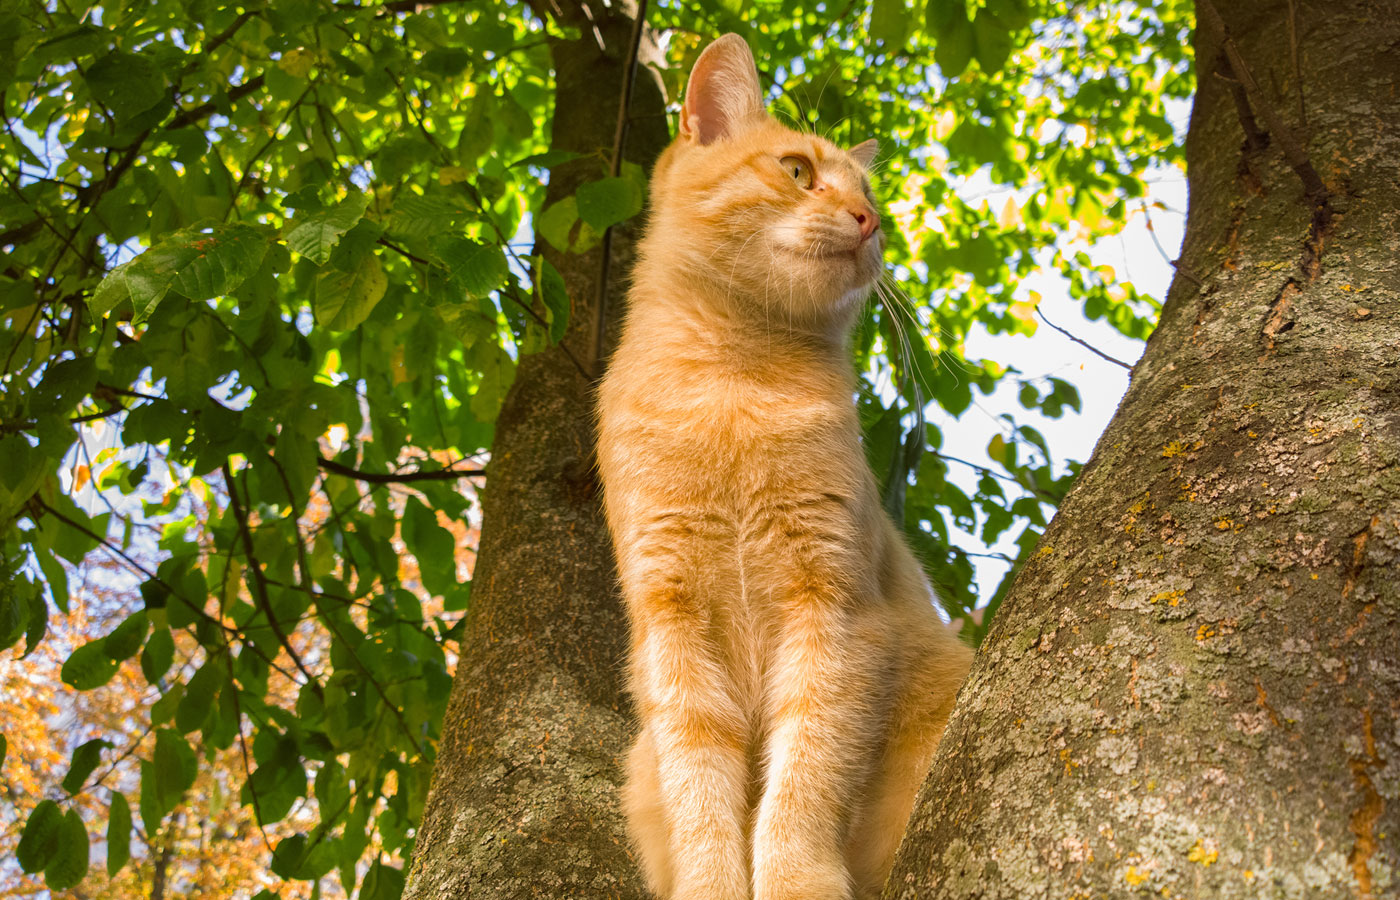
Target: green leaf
(557, 222)
(39, 842)
(1014, 14)
(118, 833)
(478, 268)
(992, 40)
(70, 861)
(126, 638)
(554, 294)
(88, 667)
(279, 779)
(345, 297)
(889, 23)
(22, 470)
(952, 34)
(200, 264)
(315, 234)
(199, 700)
(56, 576)
(126, 84)
(158, 655)
(4, 748)
(432, 545)
(174, 768)
(609, 201)
(446, 61)
(1001, 450)
(548, 159)
(85, 758)
(38, 623)
(382, 883)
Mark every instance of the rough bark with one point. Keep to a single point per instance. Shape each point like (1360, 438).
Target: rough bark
(523, 801)
(1194, 688)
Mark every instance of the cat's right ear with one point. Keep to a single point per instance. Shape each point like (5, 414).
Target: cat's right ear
(723, 91)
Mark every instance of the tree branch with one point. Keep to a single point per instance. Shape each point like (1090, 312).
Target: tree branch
(331, 465)
(260, 579)
(1297, 157)
(1083, 343)
(196, 609)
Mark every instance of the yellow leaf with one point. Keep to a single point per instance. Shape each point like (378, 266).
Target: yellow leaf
(996, 449)
(297, 63)
(81, 476)
(1023, 311)
(1010, 214)
(453, 174)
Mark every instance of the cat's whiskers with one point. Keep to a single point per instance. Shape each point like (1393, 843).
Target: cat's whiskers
(893, 305)
(944, 337)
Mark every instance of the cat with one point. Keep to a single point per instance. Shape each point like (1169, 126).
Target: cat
(791, 675)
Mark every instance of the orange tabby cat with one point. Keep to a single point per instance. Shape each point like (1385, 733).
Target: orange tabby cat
(790, 672)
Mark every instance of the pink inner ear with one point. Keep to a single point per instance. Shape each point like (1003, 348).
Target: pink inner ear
(723, 90)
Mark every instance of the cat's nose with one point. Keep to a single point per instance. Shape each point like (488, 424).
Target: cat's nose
(867, 219)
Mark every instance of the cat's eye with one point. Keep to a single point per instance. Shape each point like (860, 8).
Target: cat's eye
(799, 169)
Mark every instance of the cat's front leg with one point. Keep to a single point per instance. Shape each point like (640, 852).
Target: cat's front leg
(822, 689)
(698, 737)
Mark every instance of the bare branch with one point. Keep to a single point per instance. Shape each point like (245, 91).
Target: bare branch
(1083, 343)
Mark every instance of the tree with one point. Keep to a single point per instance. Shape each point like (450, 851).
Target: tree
(1191, 691)
(263, 297)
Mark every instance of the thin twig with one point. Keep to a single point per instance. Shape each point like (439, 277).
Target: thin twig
(1046, 496)
(304, 575)
(1175, 264)
(1256, 140)
(1083, 343)
(629, 78)
(243, 746)
(260, 580)
(222, 37)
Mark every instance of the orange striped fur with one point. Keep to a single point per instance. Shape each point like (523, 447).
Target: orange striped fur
(791, 675)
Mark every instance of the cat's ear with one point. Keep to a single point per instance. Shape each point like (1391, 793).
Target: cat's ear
(723, 91)
(865, 152)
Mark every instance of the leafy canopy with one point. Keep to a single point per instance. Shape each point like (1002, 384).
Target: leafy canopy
(266, 278)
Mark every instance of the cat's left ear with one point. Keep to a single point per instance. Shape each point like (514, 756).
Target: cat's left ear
(865, 152)
(723, 91)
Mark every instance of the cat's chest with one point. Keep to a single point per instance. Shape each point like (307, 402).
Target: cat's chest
(735, 419)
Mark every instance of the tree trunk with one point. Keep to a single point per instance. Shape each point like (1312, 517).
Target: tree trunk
(1193, 690)
(524, 797)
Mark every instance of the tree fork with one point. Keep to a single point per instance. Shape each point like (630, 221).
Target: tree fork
(1192, 690)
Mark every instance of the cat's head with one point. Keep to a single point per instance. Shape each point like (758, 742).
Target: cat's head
(780, 220)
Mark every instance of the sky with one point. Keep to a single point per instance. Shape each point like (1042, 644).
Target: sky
(1135, 258)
